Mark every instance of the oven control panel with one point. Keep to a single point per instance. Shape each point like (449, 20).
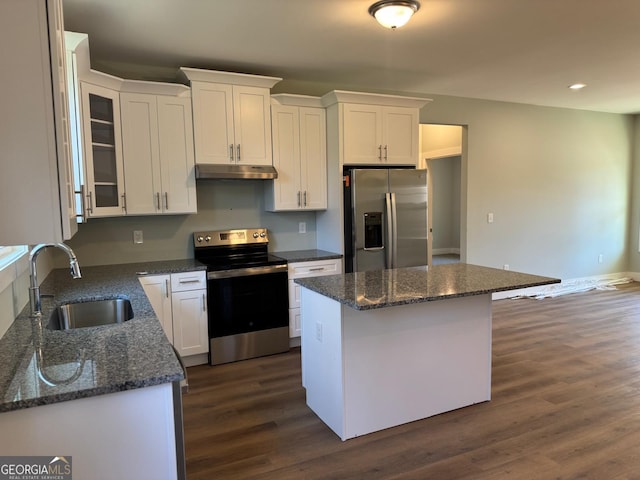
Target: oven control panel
(230, 237)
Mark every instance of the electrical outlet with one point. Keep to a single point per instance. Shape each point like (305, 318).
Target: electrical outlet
(600, 258)
(505, 266)
(137, 236)
(302, 227)
(489, 217)
(319, 331)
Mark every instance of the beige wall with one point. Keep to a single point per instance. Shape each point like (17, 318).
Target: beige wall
(445, 204)
(556, 180)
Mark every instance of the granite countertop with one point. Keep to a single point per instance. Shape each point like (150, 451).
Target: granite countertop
(387, 288)
(42, 366)
(306, 255)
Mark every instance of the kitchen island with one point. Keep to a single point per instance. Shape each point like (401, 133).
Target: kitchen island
(386, 347)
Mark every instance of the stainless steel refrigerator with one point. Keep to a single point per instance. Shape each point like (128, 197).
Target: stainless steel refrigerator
(385, 218)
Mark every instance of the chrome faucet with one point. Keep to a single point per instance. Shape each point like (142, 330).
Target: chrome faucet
(34, 288)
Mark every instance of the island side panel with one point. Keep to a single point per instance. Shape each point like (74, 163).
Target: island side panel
(413, 361)
(321, 351)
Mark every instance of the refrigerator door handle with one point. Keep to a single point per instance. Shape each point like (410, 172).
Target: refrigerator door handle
(394, 231)
(388, 256)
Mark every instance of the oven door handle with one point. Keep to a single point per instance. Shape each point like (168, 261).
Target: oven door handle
(245, 272)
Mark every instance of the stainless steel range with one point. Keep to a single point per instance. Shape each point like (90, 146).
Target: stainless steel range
(247, 292)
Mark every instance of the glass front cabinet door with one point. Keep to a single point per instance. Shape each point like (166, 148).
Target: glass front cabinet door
(104, 177)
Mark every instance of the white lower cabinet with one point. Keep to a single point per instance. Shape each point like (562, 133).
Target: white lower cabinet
(180, 302)
(158, 291)
(313, 268)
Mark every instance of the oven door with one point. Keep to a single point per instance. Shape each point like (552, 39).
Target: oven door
(248, 312)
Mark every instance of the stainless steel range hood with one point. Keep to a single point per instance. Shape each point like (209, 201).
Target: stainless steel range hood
(239, 172)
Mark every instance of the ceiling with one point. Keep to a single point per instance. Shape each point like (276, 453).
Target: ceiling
(525, 51)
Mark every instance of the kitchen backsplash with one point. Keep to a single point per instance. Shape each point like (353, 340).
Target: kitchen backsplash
(222, 204)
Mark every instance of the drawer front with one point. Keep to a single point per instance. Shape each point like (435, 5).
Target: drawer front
(315, 268)
(182, 282)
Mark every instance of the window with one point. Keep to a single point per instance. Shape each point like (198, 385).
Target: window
(8, 255)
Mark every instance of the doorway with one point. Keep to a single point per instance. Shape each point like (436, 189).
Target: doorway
(441, 155)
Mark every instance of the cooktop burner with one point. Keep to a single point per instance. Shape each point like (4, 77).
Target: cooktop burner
(230, 249)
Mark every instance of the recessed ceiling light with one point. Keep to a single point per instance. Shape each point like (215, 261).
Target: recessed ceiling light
(577, 86)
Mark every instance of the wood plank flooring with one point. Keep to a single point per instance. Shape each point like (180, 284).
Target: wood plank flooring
(565, 405)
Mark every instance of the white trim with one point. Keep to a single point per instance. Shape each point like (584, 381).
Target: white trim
(443, 153)
(572, 285)
(344, 96)
(445, 251)
(13, 262)
(200, 75)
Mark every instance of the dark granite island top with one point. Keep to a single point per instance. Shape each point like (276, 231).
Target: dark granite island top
(42, 366)
(387, 288)
(366, 368)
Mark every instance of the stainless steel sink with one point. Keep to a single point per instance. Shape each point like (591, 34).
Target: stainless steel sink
(90, 314)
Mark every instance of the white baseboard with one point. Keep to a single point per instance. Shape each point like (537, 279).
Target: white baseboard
(445, 251)
(571, 285)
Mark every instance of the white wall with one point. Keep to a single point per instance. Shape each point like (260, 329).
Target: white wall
(557, 181)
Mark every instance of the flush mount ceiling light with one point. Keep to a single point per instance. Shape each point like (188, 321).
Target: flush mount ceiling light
(393, 13)
(577, 86)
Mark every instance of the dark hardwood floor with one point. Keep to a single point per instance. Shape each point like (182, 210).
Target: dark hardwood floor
(565, 405)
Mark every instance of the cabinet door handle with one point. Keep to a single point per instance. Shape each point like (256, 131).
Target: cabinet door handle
(316, 269)
(305, 198)
(166, 200)
(158, 201)
(299, 198)
(166, 288)
(90, 209)
(386, 151)
(380, 152)
(231, 152)
(204, 303)
(189, 281)
(238, 155)
(82, 193)
(124, 202)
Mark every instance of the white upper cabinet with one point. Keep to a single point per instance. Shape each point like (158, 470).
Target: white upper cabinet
(231, 117)
(157, 144)
(299, 154)
(36, 192)
(376, 129)
(375, 134)
(104, 169)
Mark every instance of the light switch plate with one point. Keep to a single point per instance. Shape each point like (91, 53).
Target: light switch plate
(137, 236)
